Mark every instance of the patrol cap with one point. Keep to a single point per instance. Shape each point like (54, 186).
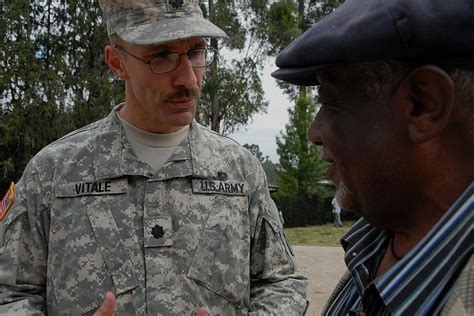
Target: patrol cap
(146, 22)
(427, 31)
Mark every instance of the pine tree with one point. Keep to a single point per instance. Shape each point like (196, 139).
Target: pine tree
(300, 195)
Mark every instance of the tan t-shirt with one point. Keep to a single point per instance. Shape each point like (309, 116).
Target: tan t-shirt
(154, 149)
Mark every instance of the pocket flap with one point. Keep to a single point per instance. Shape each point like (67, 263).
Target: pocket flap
(113, 249)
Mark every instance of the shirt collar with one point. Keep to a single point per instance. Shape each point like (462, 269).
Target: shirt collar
(426, 269)
(363, 245)
(112, 154)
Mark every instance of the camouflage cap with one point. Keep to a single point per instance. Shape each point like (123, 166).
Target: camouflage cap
(146, 22)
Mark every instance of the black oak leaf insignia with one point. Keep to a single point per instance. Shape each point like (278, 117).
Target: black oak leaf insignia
(157, 231)
(176, 4)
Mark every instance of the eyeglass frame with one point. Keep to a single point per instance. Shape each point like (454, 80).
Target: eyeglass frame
(149, 61)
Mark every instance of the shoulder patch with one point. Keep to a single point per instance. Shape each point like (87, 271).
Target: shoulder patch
(7, 201)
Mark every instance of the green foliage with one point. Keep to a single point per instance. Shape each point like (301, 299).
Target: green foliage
(287, 20)
(301, 197)
(255, 150)
(238, 90)
(283, 24)
(303, 209)
(301, 168)
(225, 15)
(320, 9)
(268, 166)
(233, 91)
(52, 77)
(271, 172)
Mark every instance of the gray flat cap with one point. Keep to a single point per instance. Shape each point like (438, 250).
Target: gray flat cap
(146, 22)
(427, 31)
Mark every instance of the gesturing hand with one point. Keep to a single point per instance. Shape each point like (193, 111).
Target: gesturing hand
(108, 306)
(201, 311)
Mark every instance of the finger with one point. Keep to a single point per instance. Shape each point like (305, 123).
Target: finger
(201, 311)
(108, 307)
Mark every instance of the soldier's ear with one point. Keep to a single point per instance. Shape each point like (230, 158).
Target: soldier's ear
(430, 100)
(115, 62)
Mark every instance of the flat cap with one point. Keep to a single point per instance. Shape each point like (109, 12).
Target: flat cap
(146, 22)
(427, 31)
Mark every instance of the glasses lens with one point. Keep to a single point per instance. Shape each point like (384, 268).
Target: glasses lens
(169, 61)
(197, 58)
(210, 55)
(164, 63)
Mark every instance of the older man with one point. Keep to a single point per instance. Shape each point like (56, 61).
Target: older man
(147, 205)
(396, 126)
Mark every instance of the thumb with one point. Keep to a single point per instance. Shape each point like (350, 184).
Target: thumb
(201, 311)
(108, 306)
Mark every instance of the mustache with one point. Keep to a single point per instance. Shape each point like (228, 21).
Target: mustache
(183, 93)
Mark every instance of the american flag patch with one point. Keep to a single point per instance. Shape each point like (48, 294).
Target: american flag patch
(7, 201)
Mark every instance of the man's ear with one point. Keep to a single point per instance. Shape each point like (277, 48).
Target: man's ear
(115, 63)
(431, 99)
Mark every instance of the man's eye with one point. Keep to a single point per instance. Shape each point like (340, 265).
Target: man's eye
(164, 54)
(333, 101)
(196, 53)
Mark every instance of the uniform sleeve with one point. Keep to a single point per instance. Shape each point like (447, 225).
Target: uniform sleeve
(23, 253)
(276, 287)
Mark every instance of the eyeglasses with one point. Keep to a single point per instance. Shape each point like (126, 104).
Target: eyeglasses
(167, 61)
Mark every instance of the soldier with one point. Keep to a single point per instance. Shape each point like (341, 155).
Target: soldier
(147, 205)
(396, 126)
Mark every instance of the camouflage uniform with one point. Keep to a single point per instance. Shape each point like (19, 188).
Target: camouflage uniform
(88, 217)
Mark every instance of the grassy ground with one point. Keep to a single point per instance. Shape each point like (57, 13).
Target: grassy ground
(322, 235)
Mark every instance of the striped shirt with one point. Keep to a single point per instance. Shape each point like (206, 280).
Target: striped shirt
(421, 282)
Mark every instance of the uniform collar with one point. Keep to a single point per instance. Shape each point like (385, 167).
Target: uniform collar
(195, 156)
(113, 155)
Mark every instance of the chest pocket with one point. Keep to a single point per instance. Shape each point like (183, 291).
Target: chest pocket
(221, 261)
(87, 255)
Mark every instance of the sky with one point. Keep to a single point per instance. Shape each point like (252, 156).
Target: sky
(264, 127)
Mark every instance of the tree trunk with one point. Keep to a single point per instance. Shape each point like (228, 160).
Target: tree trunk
(214, 97)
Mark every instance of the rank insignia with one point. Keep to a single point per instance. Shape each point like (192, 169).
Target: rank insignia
(176, 5)
(7, 201)
(157, 231)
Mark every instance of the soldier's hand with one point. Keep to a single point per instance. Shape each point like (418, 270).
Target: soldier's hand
(201, 311)
(108, 306)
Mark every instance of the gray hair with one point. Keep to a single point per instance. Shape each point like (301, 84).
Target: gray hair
(383, 77)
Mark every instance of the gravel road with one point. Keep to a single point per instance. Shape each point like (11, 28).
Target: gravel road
(323, 266)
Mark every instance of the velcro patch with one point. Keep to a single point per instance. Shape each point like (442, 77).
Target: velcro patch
(7, 201)
(102, 187)
(212, 186)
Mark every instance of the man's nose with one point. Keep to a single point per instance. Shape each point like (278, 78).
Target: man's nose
(185, 75)
(314, 131)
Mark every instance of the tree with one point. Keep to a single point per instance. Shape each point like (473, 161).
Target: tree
(255, 150)
(52, 76)
(300, 196)
(268, 166)
(233, 91)
(301, 169)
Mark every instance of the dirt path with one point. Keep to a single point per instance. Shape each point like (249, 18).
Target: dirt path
(323, 266)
